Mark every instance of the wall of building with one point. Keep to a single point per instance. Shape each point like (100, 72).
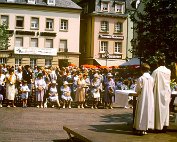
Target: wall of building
(111, 42)
(72, 35)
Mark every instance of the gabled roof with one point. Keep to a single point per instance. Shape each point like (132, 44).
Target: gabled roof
(58, 3)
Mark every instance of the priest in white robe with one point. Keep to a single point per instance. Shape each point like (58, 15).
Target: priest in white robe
(144, 115)
(162, 95)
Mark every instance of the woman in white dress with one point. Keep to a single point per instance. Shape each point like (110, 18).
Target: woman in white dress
(10, 87)
(40, 86)
(66, 94)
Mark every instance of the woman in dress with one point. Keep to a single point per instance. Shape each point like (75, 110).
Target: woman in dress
(109, 91)
(10, 87)
(80, 91)
(40, 86)
(66, 94)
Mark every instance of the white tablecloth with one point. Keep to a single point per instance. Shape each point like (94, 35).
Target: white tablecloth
(175, 93)
(121, 97)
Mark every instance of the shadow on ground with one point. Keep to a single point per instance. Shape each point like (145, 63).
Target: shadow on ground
(73, 139)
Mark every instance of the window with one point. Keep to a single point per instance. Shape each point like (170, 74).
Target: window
(19, 22)
(104, 26)
(51, 2)
(49, 43)
(19, 42)
(64, 25)
(3, 60)
(118, 27)
(118, 47)
(32, 63)
(104, 46)
(104, 6)
(34, 42)
(48, 62)
(63, 46)
(49, 24)
(4, 20)
(34, 23)
(119, 8)
(18, 62)
(10, 0)
(31, 1)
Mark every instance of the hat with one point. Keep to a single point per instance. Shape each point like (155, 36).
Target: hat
(96, 75)
(53, 82)
(109, 75)
(65, 83)
(24, 81)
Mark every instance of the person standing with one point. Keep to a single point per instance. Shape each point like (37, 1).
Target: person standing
(162, 95)
(24, 93)
(40, 86)
(10, 87)
(144, 115)
(80, 91)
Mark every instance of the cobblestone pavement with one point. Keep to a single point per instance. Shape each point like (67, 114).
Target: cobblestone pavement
(38, 125)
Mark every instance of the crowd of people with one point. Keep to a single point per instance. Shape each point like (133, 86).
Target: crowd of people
(90, 87)
(61, 86)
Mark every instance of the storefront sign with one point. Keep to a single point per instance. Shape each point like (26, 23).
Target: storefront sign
(35, 51)
(112, 37)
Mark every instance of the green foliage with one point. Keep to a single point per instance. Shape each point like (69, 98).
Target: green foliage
(156, 28)
(4, 37)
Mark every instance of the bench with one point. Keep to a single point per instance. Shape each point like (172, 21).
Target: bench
(78, 135)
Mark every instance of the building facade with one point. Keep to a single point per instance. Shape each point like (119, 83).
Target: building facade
(43, 33)
(103, 32)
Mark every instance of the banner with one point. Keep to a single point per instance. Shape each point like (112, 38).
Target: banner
(36, 51)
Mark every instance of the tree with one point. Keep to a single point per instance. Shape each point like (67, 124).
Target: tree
(156, 28)
(4, 37)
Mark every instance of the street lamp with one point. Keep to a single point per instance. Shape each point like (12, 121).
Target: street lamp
(106, 55)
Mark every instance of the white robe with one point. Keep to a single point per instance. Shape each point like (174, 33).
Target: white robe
(162, 96)
(144, 115)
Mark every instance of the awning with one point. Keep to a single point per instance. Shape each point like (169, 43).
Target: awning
(132, 62)
(110, 62)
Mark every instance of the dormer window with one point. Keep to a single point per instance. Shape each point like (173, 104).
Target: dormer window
(119, 8)
(51, 2)
(31, 1)
(105, 6)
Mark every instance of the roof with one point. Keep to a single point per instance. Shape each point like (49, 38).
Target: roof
(58, 3)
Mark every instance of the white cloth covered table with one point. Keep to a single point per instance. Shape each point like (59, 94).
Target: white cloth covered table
(175, 93)
(121, 97)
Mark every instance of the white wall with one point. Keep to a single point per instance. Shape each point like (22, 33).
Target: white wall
(72, 36)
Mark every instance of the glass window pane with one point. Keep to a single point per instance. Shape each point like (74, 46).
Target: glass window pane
(19, 21)
(34, 42)
(49, 43)
(18, 42)
(4, 20)
(34, 23)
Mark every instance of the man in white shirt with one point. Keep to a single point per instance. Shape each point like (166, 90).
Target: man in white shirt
(162, 95)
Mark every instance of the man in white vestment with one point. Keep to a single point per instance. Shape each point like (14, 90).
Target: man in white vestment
(144, 115)
(162, 95)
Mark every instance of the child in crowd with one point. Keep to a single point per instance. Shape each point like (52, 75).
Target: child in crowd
(53, 93)
(24, 93)
(66, 94)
